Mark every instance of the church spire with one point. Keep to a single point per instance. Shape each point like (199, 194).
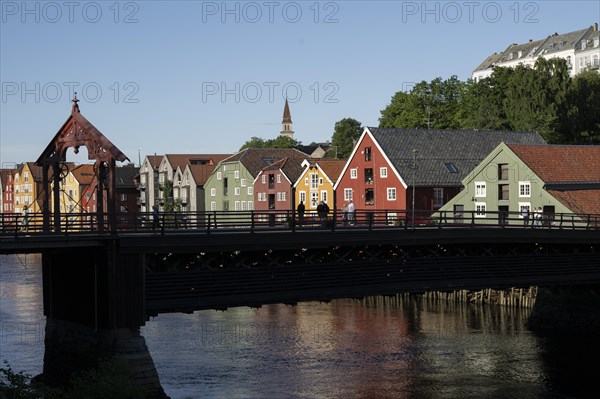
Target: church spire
(286, 123)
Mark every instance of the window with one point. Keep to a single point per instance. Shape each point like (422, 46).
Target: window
(524, 207)
(225, 205)
(324, 196)
(391, 193)
(237, 205)
(264, 179)
(450, 167)
(480, 190)
(123, 208)
(503, 192)
(438, 197)
(262, 197)
(369, 196)
(213, 192)
(271, 181)
(237, 191)
(236, 174)
(383, 172)
(224, 168)
(314, 199)
(250, 190)
(306, 181)
(225, 186)
(320, 181)
(314, 181)
(250, 205)
(219, 175)
(347, 194)
(503, 171)
(243, 182)
(213, 206)
(354, 173)
(480, 209)
(278, 178)
(283, 196)
(367, 153)
(524, 189)
(279, 197)
(369, 176)
(302, 196)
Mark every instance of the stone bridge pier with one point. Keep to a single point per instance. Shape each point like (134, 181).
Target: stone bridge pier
(94, 307)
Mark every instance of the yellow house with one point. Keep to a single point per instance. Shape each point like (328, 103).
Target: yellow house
(28, 188)
(316, 182)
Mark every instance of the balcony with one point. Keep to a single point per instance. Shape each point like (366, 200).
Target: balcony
(184, 201)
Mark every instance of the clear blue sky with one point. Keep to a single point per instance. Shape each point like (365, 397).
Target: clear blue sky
(204, 76)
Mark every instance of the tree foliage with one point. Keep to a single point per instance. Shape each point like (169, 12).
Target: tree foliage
(543, 99)
(278, 142)
(345, 133)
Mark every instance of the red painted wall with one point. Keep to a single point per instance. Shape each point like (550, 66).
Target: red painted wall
(284, 186)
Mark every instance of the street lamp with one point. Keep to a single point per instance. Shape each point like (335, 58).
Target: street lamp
(414, 168)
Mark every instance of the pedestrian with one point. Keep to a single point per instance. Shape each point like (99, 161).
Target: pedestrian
(301, 209)
(155, 218)
(25, 218)
(351, 212)
(537, 217)
(321, 212)
(345, 213)
(525, 215)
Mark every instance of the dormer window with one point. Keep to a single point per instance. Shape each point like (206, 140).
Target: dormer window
(583, 44)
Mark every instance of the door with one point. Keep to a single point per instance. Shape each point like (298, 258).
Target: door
(503, 215)
(459, 213)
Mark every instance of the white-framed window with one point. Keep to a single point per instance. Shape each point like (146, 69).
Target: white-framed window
(438, 197)
(524, 206)
(283, 196)
(264, 179)
(244, 206)
(278, 178)
(480, 189)
(279, 197)
(347, 194)
(480, 209)
(306, 181)
(213, 192)
(250, 205)
(383, 172)
(524, 189)
(262, 197)
(243, 182)
(314, 181)
(250, 190)
(320, 181)
(236, 174)
(213, 206)
(302, 196)
(219, 175)
(354, 173)
(236, 191)
(237, 205)
(391, 193)
(224, 168)
(324, 196)
(314, 199)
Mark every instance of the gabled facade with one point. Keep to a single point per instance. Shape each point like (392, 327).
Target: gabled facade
(273, 185)
(192, 192)
(28, 188)
(84, 175)
(7, 190)
(148, 183)
(231, 184)
(386, 163)
(316, 183)
(514, 178)
(580, 49)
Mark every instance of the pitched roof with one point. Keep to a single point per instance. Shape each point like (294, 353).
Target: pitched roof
(463, 149)
(526, 49)
(561, 163)
(84, 174)
(556, 42)
(200, 173)
(182, 160)
(579, 201)
(291, 167)
(287, 116)
(124, 176)
(154, 160)
(256, 159)
(489, 62)
(331, 167)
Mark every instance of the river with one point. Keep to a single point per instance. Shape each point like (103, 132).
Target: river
(390, 347)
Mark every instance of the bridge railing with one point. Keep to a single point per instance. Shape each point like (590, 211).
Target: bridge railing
(210, 221)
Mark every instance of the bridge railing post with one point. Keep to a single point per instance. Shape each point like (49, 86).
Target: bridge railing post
(252, 221)
(472, 219)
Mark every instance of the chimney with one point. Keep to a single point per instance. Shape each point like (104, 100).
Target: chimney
(530, 40)
(595, 26)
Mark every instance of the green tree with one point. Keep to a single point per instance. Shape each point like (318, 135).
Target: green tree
(278, 142)
(584, 108)
(167, 196)
(432, 104)
(345, 132)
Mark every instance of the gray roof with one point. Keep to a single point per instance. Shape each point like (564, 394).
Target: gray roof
(256, 159)
(556, 42)
(526, 49)
(464, 149)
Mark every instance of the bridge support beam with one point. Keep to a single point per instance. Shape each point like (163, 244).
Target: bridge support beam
(94, 304)
(567, 310)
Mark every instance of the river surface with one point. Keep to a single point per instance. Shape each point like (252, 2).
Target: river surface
(373, 348)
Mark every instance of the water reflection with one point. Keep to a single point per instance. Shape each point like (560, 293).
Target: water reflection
(372, 348)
